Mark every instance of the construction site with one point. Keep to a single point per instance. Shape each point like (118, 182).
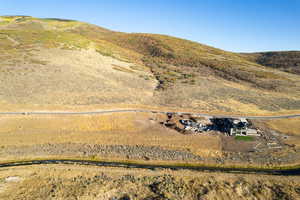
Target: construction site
(237, 134)
(188, 124)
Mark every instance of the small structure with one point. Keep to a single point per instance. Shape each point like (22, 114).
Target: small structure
(240, 127)
(252, 132)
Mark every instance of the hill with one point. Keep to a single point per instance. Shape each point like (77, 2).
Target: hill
(87, 182)
(288, 61)
(55, 62)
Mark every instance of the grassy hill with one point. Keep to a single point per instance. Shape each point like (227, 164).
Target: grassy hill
(56, 62)
(288, 61)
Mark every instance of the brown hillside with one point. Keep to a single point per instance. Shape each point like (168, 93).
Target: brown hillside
(288, 61)
(66, 63)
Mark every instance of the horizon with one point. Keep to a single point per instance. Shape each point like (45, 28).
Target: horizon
(249, 26)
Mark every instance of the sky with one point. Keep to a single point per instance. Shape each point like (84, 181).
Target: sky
(233, 25)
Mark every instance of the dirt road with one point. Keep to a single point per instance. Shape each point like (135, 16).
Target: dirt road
(147, 111)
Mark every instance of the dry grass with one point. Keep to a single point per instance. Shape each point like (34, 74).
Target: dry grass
(175, 61)
(287, 61)
(78, 182)
(73, 78)
(75, 64)
(115, 129)
(140, 68)
(287, 126)
(290, 127)
(122, 69)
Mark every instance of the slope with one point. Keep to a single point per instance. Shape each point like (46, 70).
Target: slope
(42, 63)
(288, 61)
(66, 62)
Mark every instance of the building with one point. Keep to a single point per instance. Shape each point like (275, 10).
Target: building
(240, 127)
(228, 126)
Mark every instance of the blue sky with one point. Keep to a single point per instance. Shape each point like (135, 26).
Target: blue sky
(234, 25)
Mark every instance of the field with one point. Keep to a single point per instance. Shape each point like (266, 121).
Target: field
(73, 135)
(287, 126)
(136, 137)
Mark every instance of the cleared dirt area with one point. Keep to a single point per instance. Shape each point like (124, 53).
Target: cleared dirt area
(82, 183)
(231, 144)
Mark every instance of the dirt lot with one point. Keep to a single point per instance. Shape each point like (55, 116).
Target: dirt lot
(86, 183)
(231, 144)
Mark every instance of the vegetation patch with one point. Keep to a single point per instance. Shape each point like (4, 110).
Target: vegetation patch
(48, 39)
(244, 138)
(60, 24)
(2, 22)
(288, 61)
